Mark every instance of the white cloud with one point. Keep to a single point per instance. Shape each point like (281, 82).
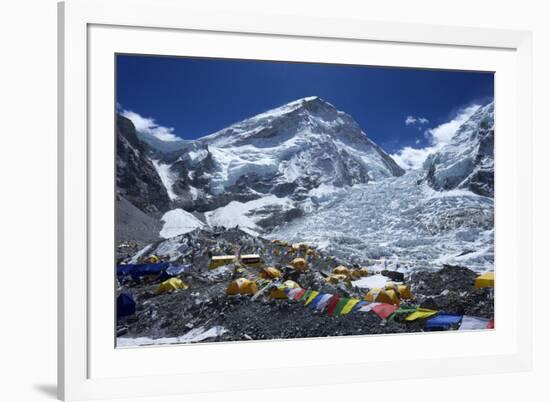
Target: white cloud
(441, 134)
(148, 125)
(411, 120)
(413, 158)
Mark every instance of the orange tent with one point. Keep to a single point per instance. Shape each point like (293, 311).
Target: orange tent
(270, 273)
(341, 270)
(299, 264)
(242, 286)
(378, 295)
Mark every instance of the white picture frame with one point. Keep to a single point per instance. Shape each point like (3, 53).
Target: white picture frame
(90, 367)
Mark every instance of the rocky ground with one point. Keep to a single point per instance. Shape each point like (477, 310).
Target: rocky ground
(205, 304)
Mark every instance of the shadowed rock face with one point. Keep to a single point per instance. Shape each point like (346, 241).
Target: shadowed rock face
(467, 162)
(137, 178)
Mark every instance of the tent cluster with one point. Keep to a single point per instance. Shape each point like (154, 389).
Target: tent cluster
(346, 275)
(335, 305)
(297, 249)
(152, 269)
(392, 294)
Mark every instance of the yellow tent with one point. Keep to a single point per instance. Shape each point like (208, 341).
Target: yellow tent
(420, 313)
(152, 259)
(335, 279)
(299, 246)
(171, 284)
(341, 270)
(403, 291)
(221, 260)
(242, 286)
(378, 295)
(359, 273)
(299, 264)
(487, 280)
(251, 260)
(270, 273)
(279, 292)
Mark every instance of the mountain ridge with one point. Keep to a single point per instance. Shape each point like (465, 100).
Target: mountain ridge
(467, 161)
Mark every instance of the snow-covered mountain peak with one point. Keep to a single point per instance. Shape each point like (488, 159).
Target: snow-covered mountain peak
(302, 116)
(305, 140)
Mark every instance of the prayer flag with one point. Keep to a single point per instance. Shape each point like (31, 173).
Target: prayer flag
(358, 306)
(299, 294)
(469, 322)
(312, 296)
(349, 306)
(291, 293)
(331, 305)
(443, 322)
(420, 313)
(384, 310)
(323, 302)
(368, 307)
(316, 301)
(305, 295)
(341, 303)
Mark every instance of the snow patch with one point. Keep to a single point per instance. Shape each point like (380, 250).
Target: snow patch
(167, 178)
(245, 215)
(369, 282)
(195, 335)
(178, 221)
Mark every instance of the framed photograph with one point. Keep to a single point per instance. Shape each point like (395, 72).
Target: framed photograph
(295, 200)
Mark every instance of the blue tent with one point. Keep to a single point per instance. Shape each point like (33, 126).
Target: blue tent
(443, 322)
(125, 305)
(137, 270)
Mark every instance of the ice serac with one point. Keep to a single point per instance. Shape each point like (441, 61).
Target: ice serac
(467, 161)
(285, 152)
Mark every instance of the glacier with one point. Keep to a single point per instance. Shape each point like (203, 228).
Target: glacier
(399, 220)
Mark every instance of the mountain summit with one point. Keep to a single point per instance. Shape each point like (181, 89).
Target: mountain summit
(285, 151)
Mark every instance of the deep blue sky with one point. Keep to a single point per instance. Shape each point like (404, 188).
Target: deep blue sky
(200, 96)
